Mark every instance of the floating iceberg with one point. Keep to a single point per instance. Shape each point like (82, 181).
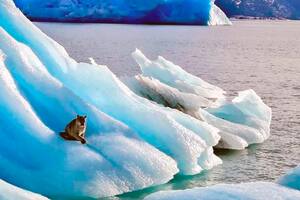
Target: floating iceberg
(256, 190)
(203, 12)
(132, 143)
(10, 192)
(114, 161)
(243, 121)
(291, 179)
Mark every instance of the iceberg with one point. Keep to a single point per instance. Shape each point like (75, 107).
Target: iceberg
(255, 190)
(114, 161)
(244, 120)
(198, 12)
(10, 192)
(291, 179)
(132, 143)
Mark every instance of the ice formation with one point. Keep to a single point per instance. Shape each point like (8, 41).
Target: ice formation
(203, 12)
(251, 191)
(10, 192)
(132, 143)
(291, 179)
(36, 107)
(243, 121)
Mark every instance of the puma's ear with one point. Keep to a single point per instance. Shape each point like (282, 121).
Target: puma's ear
(77, 116)
(84, 116)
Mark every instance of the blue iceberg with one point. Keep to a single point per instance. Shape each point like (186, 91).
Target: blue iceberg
(132, 143)
(242, 121)
(125, 11)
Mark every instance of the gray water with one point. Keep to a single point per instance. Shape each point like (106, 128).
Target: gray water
(263, 55)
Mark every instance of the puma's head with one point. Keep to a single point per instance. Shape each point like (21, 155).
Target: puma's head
(81, 120)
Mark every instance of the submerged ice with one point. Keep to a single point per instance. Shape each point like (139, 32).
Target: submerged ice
(255, 190)
(288, 188)
(242, 121)
(203, 12)
(291, 179)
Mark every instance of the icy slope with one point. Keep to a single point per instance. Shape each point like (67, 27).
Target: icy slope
(132, 143)
(291, 179)
(126, 11)
(249, 191)
(185, 139)
(243, 121)
(10, 192)
(113, 162)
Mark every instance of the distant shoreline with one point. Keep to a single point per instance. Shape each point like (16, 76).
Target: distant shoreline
(243, 17)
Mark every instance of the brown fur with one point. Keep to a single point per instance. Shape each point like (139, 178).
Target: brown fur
(75, 130)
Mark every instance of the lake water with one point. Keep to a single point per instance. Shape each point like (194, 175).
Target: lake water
(263, 55)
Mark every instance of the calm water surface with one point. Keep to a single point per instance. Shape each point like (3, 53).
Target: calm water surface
(263, 55)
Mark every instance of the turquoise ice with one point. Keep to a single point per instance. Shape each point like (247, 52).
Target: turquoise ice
(291, 179)
(243, 191)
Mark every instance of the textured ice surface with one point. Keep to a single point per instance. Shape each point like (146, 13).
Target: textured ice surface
(10, 192)
(168, 96)
(114, 161)
(244, 191)
(132, 143)
(243, 121)
(126, 11)
(291, 179)
(174, 76)
(217, 16)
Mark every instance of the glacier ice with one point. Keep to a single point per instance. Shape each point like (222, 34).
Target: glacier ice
(250, 191)
(126, 11)
(182, 138)
(291, 179)
(132, 143)
(243, 121)
(114, 161)
(10, 192)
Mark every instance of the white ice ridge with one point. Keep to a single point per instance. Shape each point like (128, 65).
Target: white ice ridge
(243, 121)
(10, 192)
(249, 191)
(217, 16)
(132, 143)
